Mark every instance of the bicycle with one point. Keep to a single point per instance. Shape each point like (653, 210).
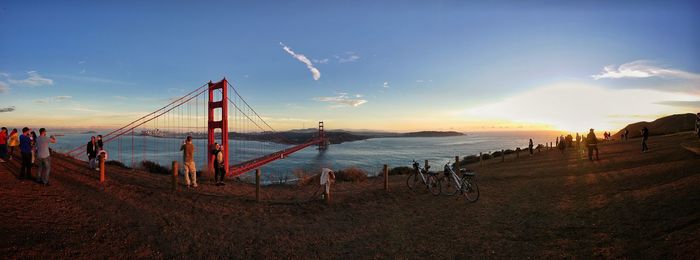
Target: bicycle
(430, 181)
(450, 184)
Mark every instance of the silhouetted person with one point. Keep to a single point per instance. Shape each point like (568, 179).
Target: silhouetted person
(219, 171)
(697, 125)
(530, 147)
(25, 148)
(645, 137)
(100, 145)
(627, 134)
(187, 149)
(592, 142)
(578, 140)
(562, 144)
(91, 151)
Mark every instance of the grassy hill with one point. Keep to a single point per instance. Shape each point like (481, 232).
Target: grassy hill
(665, 125)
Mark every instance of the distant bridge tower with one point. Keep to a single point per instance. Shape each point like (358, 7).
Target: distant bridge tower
(220, 124)
(323, 143)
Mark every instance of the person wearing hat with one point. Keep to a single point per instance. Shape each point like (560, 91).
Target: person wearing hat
(592, 142)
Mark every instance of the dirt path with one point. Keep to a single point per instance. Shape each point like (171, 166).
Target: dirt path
(628, 204)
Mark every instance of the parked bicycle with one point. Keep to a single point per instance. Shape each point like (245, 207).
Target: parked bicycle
(424, 177)
(451, 183)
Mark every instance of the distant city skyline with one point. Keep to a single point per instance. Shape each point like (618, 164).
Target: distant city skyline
(379, 65)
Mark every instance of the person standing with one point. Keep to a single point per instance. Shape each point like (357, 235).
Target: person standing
(645, 137)
(91, 151)
(3, 144)
(592, 142)
(25, 148)
(697, 125)
(100, 145)
(187, 149)
(32, 135)
(43, 156)
(578, 141)
(13, 142)
(529, 146)
(219, 171)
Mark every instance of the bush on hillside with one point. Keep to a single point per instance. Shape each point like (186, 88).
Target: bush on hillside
(116, 163)
(352, 174)
(401, 170)
(154, 167)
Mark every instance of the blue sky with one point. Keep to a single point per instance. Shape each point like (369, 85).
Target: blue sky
(446, 64)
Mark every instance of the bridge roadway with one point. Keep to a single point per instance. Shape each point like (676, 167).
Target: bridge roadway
(249, 165)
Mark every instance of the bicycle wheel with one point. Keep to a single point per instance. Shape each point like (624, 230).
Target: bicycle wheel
(412, 181)
(470, 189)
(449, 186)
(433, 185)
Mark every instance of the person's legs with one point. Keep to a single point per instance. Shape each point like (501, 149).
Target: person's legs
(590, 153)
(3, 151)
(46, 164)
(187, 175)
(92, 162)
(596, 152)
(193, 171)
(39, 169)
(223, 174)
(26, 165)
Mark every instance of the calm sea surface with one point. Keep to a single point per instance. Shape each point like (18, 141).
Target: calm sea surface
(369, 154)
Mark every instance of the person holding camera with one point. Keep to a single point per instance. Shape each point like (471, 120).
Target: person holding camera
(187, 149)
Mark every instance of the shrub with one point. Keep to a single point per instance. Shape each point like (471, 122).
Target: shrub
(469, 159)
(496, 154)
(401, 170)
(154, 167)
(509, 151)
(486, 156)
(352, 174)
(116, 163)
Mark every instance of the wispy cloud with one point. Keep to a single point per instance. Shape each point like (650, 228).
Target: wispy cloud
(81, 62)
(120, 97)
(34, 80)
(386, 84)
(300, 57)
(684, 104)
(321, 61)
(7, 109)
(53, 99)
(347, 57)
(92, 79)
(643, 69)
(343, 99)
(4, 87)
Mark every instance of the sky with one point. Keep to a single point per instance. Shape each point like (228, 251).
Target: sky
(381, 65)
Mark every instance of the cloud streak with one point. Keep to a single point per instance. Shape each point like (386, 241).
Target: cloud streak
(34, 80)
(300, 57)
(343, 100)
(7, 109)
(53, 99)
(644, 69)
(386, 84)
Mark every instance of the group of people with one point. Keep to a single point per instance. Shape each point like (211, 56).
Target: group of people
(591, 140)
(33, 150)
(190, 169)
(95, 148)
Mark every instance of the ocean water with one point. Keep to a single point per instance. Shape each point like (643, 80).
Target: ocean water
(370, 154)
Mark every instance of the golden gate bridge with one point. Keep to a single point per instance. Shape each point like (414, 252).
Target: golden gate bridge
(205, 113)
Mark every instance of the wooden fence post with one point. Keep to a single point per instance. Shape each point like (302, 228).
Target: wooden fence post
(386, 177)
(257, 185)
(503, 155)
(175, 171)
(457, 164)
(517, 153)
(481, 160)
(102, 169)
(426, 165)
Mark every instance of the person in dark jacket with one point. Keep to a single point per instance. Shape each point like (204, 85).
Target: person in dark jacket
(592, 142)
(100, 145)
(25, 148)
(645, 137)
(92, 152)
(529, 146)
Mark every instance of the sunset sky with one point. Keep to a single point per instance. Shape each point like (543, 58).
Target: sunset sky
(384, 65)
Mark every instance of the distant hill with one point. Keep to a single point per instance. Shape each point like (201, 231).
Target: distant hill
(665, 125)
(432, 134)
